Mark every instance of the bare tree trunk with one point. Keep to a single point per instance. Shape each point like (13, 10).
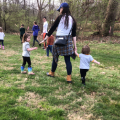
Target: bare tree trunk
(108, 25)
(17, 2)
(24, 4)
(5, 28)
(50, 11)
(40, 20)
(41, 7)
(4, 12)
(53, 13)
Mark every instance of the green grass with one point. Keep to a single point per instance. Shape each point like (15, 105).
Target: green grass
(40, 97)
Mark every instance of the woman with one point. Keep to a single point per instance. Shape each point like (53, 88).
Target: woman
(35, 30)
(66, 24)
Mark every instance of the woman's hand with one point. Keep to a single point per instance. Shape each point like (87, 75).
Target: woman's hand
(75, 48)
(44, 39)
(74, 42)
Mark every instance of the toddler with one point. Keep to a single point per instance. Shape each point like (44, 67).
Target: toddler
(50, 42)
(26, 54)
(85, 59)
(2, 35)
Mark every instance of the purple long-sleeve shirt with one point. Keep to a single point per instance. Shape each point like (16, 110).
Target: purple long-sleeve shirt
(35, 30)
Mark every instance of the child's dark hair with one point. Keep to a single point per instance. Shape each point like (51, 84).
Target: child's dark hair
(35, 22)
(85, 50)
(1, 30)
(22, 25)
(25, 36)
(45, 17)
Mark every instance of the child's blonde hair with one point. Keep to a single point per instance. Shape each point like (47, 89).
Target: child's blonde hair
(35, 22)
(1, 30)
(85, 50)
(25, 36)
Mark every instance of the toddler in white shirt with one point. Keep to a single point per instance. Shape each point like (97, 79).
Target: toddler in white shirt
(2, 35)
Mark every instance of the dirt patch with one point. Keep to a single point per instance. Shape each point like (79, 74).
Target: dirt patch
(23, 81)
(80, 115)
(32, 100)
(35, 84)
(9, 53)
(77, 100)
(43, 66)
(22, 86)
(40, 60)
(6, 67)
(91, 97)
(74, 117)
(64, 96)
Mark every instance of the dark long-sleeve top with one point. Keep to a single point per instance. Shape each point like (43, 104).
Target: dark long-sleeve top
(59, 22)
(22, 31)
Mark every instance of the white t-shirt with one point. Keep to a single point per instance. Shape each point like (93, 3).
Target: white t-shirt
(26, 53)
(85, 61)
(2, 35)
(45, 26)
(61, 30)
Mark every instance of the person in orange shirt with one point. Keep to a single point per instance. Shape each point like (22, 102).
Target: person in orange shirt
(49, 45)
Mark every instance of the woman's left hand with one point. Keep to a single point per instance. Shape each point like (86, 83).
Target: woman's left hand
(75, 48)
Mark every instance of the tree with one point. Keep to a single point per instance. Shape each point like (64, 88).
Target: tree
(108, 25)
(41, 7)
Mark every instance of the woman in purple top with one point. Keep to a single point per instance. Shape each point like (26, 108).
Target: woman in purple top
(35, 30)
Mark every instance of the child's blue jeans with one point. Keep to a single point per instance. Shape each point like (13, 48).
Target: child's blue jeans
(49, 48)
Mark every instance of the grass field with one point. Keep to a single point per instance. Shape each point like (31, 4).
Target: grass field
(39, 97)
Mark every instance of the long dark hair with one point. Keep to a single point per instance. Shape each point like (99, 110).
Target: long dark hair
(66, 12)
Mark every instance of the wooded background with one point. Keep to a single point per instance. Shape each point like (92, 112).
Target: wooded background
(99, 16)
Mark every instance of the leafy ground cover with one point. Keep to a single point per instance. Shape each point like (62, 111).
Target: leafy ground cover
(40, 97)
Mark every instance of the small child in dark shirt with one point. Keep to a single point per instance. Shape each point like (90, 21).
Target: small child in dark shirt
(22, 31)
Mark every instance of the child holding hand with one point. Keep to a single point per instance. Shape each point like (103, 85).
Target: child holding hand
(26, 54)
(85, 59)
